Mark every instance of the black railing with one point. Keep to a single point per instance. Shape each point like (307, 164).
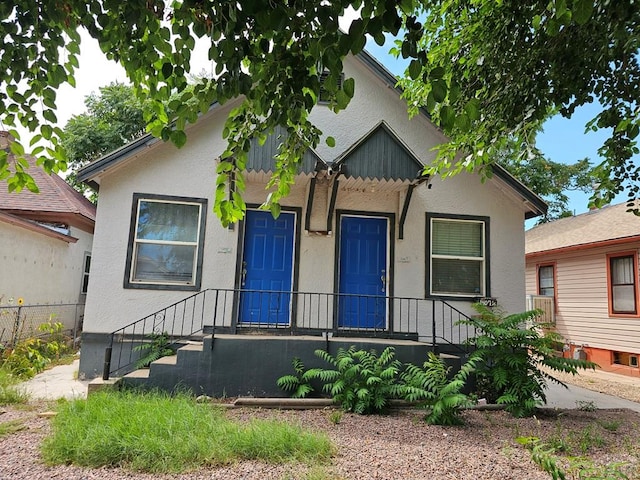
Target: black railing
(216, 311)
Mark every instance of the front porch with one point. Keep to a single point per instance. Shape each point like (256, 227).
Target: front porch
(241, 341)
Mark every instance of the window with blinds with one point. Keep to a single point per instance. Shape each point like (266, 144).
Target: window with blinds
(457, 257)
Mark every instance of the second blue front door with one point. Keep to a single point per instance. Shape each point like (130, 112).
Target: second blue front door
(362, 272)
(267, 268)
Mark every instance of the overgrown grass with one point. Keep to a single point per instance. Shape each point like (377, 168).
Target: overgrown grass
(10, 392)
(155, 433)
(12, 426)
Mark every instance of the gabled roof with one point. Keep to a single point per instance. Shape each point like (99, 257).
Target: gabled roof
(534, 204)
(610, 224)
(260, 158)
(382, 155)
(56, 202)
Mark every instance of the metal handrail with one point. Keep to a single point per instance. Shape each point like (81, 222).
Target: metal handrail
(292, 312)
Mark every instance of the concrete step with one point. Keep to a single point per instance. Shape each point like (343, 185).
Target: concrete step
(168, 360)
(140, 373)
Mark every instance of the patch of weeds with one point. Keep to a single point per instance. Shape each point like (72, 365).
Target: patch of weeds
(586, 405)
(610, 425)
(10, 392)
(12, 426)
(335, 416)
(584, 468)
(315, 473)
(589, 439)
(139, 432)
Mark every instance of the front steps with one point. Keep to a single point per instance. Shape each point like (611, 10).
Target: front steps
(249, 365)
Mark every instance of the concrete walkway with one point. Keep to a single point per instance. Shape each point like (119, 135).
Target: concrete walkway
(57, 382)
(61, 382)
(573, 397)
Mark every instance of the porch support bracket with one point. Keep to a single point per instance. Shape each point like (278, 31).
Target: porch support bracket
(332, 204)
(405, 209)
(307, 217)
(407, 201)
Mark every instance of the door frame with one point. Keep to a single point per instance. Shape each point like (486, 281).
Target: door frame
(391, 224)
(297, 211)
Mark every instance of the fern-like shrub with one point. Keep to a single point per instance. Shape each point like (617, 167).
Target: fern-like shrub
(432, 389)
(512, 349)
(157, 347)
(297, 385)
(361, 381)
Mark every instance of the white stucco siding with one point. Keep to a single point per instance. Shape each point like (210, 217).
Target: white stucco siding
(190, 172)
(162, 170)
(582, 314)
(41, 269)
(373, 102)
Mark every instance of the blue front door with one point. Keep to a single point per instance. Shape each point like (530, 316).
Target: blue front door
(363, 272)
(267, 267)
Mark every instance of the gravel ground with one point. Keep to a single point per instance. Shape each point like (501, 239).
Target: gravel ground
(397, 446)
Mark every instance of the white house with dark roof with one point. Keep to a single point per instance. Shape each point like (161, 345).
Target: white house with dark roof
(45, 243)
(588, 266)
(367, 250)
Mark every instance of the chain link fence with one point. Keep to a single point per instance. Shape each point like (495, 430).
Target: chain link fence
(18, 322)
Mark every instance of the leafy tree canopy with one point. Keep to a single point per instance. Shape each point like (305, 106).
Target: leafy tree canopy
(114, 116)
(484, 69)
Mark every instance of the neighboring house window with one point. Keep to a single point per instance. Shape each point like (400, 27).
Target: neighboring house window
(623, 283)
(457, 256)
(166, 242)
(546, 281)
(85, 273)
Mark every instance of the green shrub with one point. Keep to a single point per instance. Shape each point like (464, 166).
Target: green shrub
(431, 387)
(157, 347)
(298, 385)
(512, 351)
(361, 382)
(156, 433)
(27, 358)
(32, 355)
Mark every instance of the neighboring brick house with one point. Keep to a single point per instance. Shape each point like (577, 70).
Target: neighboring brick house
(588, 264)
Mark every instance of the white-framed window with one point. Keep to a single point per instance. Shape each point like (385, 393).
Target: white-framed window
(86, 266)
(546, 280)
(166, 242)
(623, 284)
(457, 256)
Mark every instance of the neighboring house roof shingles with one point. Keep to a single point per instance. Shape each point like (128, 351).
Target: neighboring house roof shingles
(57, 201)
(607, 224)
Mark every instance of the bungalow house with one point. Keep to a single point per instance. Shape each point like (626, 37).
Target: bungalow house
(367, 250)
(587, 267)
(45, 250)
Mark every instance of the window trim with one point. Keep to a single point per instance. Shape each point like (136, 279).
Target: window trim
(195, 286)
(485, 264)
(553, 265)
(85, 273)
(636, 281)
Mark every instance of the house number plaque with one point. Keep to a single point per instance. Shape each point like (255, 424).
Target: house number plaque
(488, 301)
